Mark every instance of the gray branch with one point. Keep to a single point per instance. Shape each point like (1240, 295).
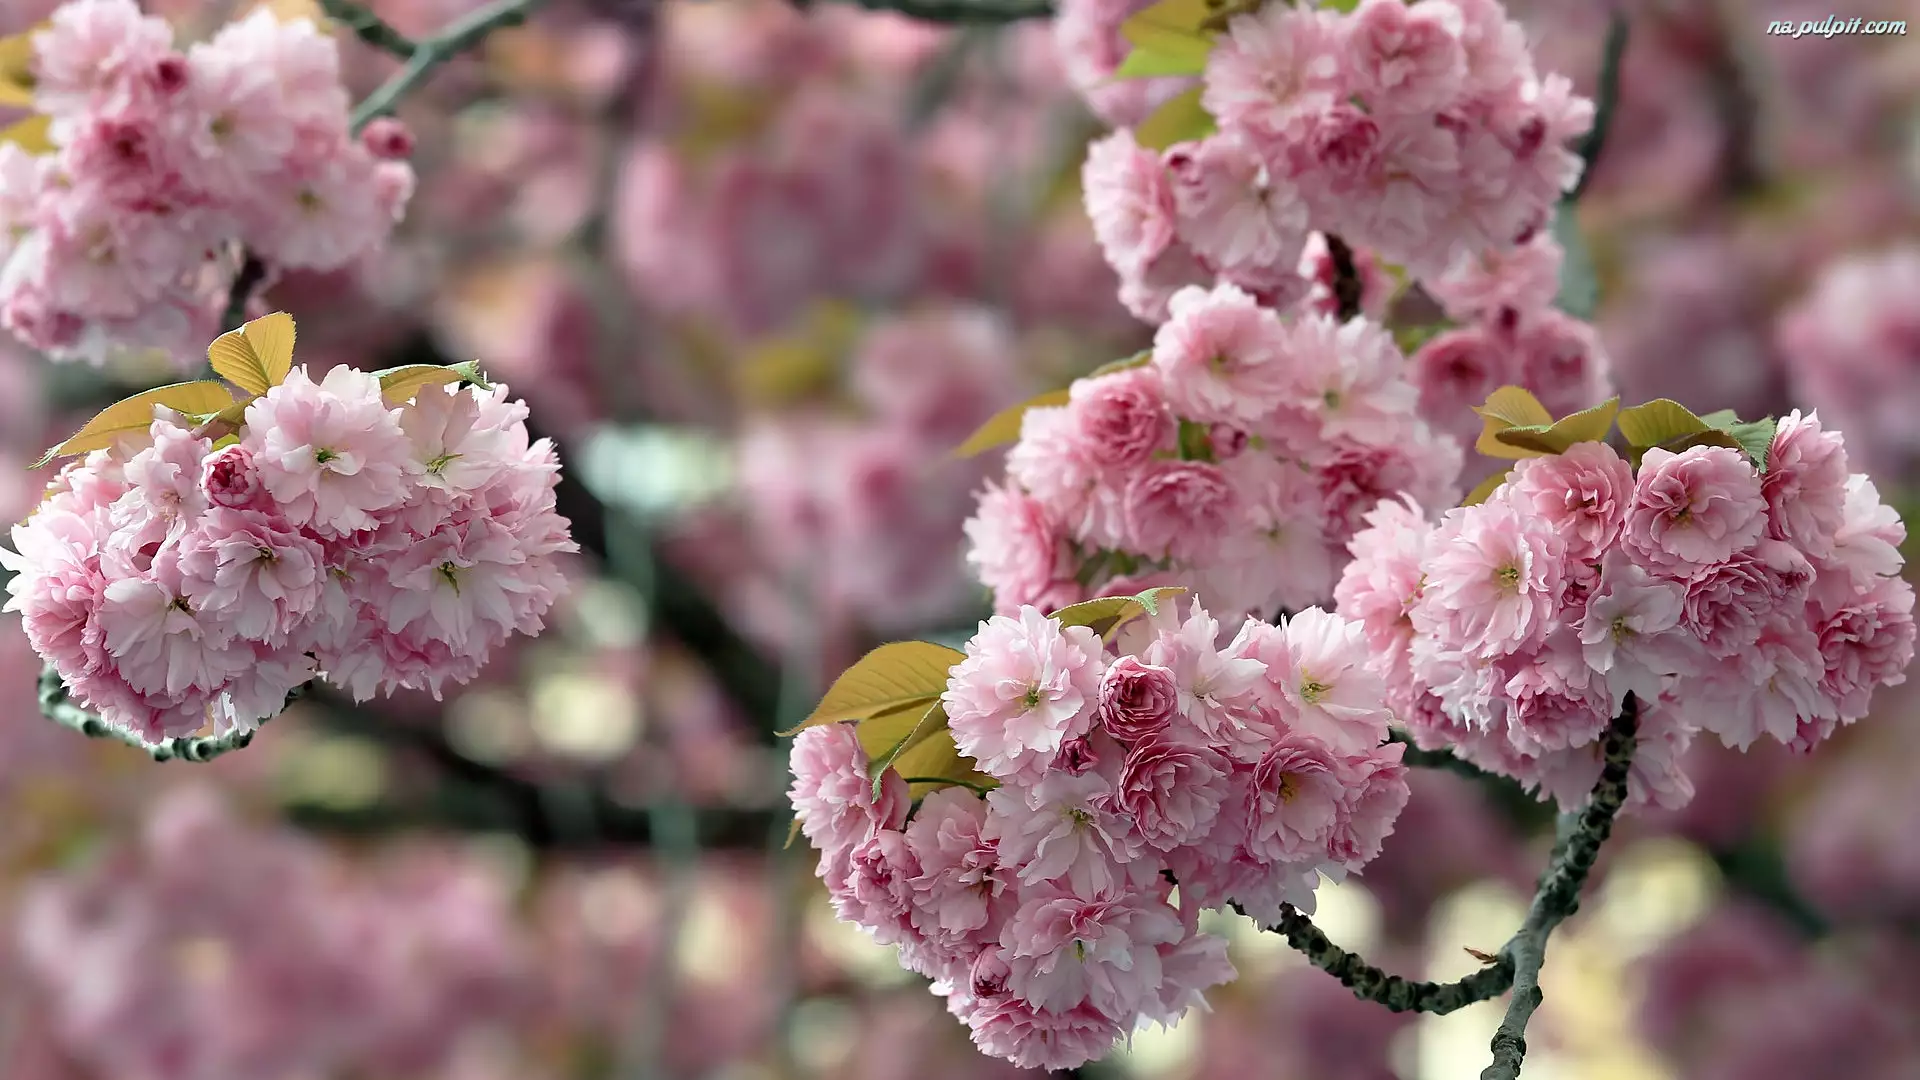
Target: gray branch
(976, 12)
(427, 55)
(1370, 983)
(57, 705)
(369, 27)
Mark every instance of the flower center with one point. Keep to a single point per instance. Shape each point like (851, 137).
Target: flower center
(1621, 630)
(439, 465)
(221, 127)
(1332, 398)
(451, 574)
(180, 604)
(1289, 788)
(1079, 949)
(1311, 690)
(1032, 698)
(323, 455)
(1507, 577)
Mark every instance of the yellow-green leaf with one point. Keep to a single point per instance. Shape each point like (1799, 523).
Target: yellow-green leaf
(1172, 28)
(1510, 407)
(1004, 427)
(257, 357)
(1484, 489)
(399, 384)
(934, 762)
(16, 69)
(1139, 359)
(1151, 62)
(135, 414)
(1182, 119)
(1659, 421)
(1587, 425)
(891, 679)
(34, 134)
(1108, 613)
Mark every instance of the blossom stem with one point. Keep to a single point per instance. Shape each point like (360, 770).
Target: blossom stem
(1347, 288)
(369, 27)
(57, 705)
(1558, 894)
(429, 54)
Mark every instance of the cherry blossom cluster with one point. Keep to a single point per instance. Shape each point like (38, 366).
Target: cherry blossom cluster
(1238, 461)
(1419, 131)
(181, 582)
(1508, 333)
(165, 161)
(1850, 345)
(1046, 912)
(212, 948)
(1746, 603)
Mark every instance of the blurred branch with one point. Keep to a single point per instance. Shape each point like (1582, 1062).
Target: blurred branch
(252, 272)
(1606, 100)
(1347, 287)
(957, 11)
(461, 35)
(1558, 894)
(1737, 101)
(939, 79)
(1756, 871)
(369, 28)
(1444, 760)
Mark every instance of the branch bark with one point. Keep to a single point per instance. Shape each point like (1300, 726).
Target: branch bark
(458, 37)
(369, 28)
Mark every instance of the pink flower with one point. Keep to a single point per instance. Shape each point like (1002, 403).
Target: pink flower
(1375, 791)
(159, 643)
(876, 893)
(90, 49)
(1552, 700)
(1352, 375)
(1056, 465)
(1172, 792)
(1583, 493)
(1233, 211)
(1493, 581)
(1321, 670)
(1178, 509)
(1219, 356)
(1868, 543)
(1296, 796)
(228, 478)
(832, 795)
(1122, 418)
(1458, 370)
(1014, 1029)
(1018, 551)
(251, 572)
(1495, 284)
(1867, 644)
(1215, 684)
(1068, 948)
(1805, 484)
(962, 887)
(1773, 687)
(1271, 69)
(1137, 700)
(1027, 685)
(1631, 631)
(1728, 605)
(57, 585)
(1693, 509)
(331, 454)
(1129, 201)
(1063, 829)
(1403, 59)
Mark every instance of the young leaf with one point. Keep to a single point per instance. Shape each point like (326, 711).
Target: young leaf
(1657, 422)
(934, 762)
(892, 679)
(929, 722)
(1506, 408)
(399, 384)
(135, 414)
(257, 357)
(1484, 489)
(1173, 29)
(1182, 119)
(34, 135)
(1587, 425)
(1756, 438)
(16, 69)
(1139, 359)
(1004, 427)
(1146, 62)
(1108, 613)
(1721, 418)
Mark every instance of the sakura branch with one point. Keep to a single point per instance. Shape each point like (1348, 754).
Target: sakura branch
(427, 55)
(369, 27)
(960, 12)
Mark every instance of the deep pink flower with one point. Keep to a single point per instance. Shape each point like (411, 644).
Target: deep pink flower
(1583, 493)
(1137, 700)
(1296, 793)
(1693, 509)
(1171, 791)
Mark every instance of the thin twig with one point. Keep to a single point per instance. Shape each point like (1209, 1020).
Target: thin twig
(1558, 895)
(1443, 760)
(245, 282)
(1348, 290)
(369, 27)
(57, 705)
(457, 38)
(961, 11)
(1606, 99)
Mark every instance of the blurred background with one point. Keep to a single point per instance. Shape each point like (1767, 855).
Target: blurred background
(758, 267)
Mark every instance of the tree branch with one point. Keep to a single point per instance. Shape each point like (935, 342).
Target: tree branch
(1443, 760)
(1517, 965)
(1606, 100)
(57, 705)
(369, 28)
(251, 273)
(427, 55)
(961, 11)
(1558, 894)
(1348, 290)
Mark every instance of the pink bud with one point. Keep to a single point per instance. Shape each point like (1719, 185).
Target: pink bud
(388, 139)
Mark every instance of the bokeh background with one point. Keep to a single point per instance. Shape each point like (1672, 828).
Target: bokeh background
(758, 267)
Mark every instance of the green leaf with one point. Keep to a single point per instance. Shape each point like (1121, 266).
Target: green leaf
(1182, 119)
(1756, 438)
(1139, 359)
(1659, 421)
(34, 134)
(399, 384)
(933, 762)
(1484, 489)
(1174, 30)
(135, 415)
(1343, 6)
(1004, 426)
(1579, 278)
(1721, 418)
(1510, 407)
(1152, 63)
(1587, 425)
(257, 357)
(1196, 441)
(1108, 613)
(892, 680)
(932, 720)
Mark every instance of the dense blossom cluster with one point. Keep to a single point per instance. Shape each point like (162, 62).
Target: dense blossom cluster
(210, 948)
(1726, 599)
(1418, 131)
(182, 582)
(1238, 461)
(1045, 911)
(164, 161)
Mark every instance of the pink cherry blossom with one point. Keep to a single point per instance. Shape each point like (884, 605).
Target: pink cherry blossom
(1027, 685)
(1405, 59)
(1805, 483)
(1129, 200)
(1066, 948)
(1296, 792)
(332, 454)
(1171, 791)
(1220, 356)
(1137, 700)
(1583, 492)
(1693, 509)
